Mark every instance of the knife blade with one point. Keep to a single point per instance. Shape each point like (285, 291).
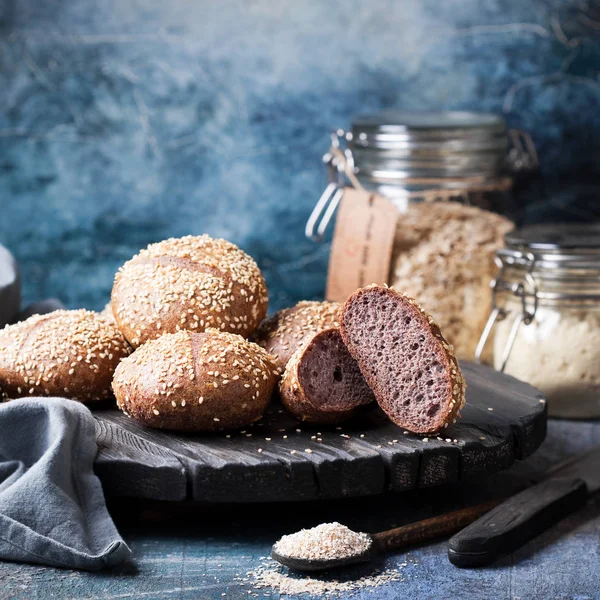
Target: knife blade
(563, 490)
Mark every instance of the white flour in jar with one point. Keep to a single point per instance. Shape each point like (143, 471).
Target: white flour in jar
(558, 353)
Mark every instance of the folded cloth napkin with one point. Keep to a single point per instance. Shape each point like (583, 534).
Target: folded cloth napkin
(52, 508)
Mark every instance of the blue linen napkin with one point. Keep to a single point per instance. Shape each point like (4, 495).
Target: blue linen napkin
(52, 508)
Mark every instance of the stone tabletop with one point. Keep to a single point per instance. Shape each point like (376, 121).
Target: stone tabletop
(202, 553)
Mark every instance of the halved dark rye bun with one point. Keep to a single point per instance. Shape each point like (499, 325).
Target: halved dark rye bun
(322, 382)
(404, 357)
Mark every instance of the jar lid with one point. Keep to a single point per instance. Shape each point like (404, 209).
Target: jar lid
(443, 144)
(555, 236)
(466, 129)
(427, 121)
(554, 246)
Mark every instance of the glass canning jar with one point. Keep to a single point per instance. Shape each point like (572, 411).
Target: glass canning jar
(545, 321)
(442, 254)
(413, 157)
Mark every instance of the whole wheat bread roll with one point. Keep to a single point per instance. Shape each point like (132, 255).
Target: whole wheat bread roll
(322, 383)
(68, 353)
(196, 382)
(404, 358)
(107, 314)
(284, 332)
(190, 283)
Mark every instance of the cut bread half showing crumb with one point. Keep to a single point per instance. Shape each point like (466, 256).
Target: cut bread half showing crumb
(404, 358)
(322, 383)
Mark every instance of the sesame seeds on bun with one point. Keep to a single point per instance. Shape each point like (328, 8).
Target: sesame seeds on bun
(191, 283)
(188, 381)
(283, 333)
(68, 353)
(107, 314)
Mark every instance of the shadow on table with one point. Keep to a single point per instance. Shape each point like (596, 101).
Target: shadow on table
(265, 523)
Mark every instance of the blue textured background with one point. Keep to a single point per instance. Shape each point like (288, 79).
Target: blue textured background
(123, 122)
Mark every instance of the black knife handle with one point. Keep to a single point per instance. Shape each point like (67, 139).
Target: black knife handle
(516, 521)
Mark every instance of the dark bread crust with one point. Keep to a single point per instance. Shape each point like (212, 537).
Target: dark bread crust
(285, 331)
(302, 403)
(190, 283)
(67, 353)
(449, 378)
(188, 381)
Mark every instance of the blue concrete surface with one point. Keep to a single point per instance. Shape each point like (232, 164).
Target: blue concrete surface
(124, 122)
(201, 553)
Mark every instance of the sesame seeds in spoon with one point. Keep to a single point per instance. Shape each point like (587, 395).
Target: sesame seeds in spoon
(326, 546)
(332, 545)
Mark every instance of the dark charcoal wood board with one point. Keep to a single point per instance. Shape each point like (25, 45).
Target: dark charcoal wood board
(504, 420)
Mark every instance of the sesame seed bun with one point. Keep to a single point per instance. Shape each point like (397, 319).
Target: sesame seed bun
(190, 283)
(68, 353)
(196, 382)
(107, 314)
(283, 333)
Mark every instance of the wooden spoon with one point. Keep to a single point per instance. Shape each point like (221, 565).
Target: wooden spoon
(393, 539)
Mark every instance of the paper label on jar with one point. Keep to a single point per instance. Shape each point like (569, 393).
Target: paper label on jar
(363, 239)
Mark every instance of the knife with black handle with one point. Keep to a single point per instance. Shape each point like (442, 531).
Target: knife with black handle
(524, 516)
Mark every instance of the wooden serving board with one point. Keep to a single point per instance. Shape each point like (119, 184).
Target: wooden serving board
(504, 420)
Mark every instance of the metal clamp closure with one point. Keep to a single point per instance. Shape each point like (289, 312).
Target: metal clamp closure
(339, 163)
(526, 291)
